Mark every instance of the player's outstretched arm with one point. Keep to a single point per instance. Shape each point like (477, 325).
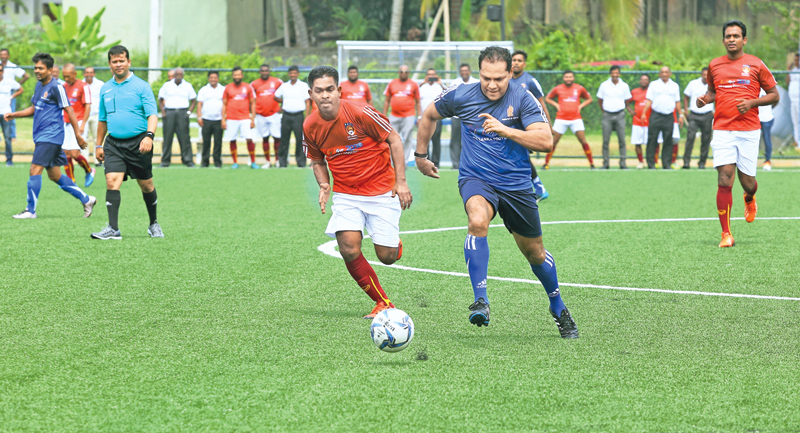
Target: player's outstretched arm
(398, 160)
(320, 168)
(28, 112)
(425, 129)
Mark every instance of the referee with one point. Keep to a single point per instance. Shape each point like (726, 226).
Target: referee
(128, 114)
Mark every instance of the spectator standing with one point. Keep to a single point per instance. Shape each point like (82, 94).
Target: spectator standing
(636, 106)
(268, 116)
(80, 99)
(766, 118)
(209, 118)
(55, 72)
(355, 90)
(611, 97)
(238, 115)
(699, 118)
(465, 77)
(428, 92)
(12, 72)
(793, 83)
(95, 85)
(402, 95)
(664, 98)
(295, 102)
(569, 108)
(9, 89)
(176, 98)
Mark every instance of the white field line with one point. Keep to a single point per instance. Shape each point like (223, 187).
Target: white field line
(329, 248)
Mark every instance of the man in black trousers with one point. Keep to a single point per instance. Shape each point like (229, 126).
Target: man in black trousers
(209, 118)
(664, 97)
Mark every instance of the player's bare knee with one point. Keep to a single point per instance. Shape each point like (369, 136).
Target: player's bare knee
(388, 256)
(535, 257)
(349, 251)
(53, 176)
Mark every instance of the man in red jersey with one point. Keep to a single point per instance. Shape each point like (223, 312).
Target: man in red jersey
(80, 99)
(402, 95)
(358, 144)
(355, 90)
(734, 83)
(569, 108)
(268, 116)
(238, 115)
(636, 107)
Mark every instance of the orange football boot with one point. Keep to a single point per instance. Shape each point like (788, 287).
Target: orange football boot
(399, 250)
(380, 306)
(750, 210)
(727, 240)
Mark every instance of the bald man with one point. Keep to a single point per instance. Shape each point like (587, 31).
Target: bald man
(80, 99)
(664, 98)
(176, 99)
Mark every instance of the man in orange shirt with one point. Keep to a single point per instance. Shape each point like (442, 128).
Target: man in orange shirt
(355, 90)
(80, 99)
(268, 116)
(359, 145)
(569, 108)
(639, 130)
(238, 115)
(734, 83)
(402, 94)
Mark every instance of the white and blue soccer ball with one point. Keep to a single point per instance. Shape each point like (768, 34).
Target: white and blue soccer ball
(392, 330)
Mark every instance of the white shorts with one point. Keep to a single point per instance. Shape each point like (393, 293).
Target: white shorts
(379, 214)
(269, 126)
(639, 135)
(676, 134)
(737, 147)
(70, 143)
(238, 129)
(560, 125)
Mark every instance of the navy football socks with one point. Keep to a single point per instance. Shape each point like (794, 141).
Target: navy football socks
(476, 252)
(546, 273)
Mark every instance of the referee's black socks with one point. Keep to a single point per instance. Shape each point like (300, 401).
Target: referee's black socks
(112, 204)
(150, 200)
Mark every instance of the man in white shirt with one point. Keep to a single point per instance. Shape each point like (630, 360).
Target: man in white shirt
(9, 89)
(611, 96)
(664, 98)
(699, 118)
(209, 118)
(465, 77)
(295, 102)
(94, 89)
(176, 99)
(12, 73)
(428, 91)
(766, 118)
(793, 83)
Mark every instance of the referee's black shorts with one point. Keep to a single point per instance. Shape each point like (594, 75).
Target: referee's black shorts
(123, 156)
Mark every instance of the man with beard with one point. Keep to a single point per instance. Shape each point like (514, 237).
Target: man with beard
(238, 115)
(355, 90)
(268, 116)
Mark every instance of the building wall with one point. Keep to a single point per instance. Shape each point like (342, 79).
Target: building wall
(197, 25)
(246, 28)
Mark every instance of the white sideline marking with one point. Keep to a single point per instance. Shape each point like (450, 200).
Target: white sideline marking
(329, 248)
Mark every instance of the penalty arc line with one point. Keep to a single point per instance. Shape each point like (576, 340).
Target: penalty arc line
(329, 248)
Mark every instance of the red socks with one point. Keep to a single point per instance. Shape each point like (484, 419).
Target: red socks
(588, 151)
(233, 152)
(639, 153)
(84, 163)
(365, 276)
(265, 146)
(276, 143)
(674, 152)
(724, 202)
(251, 149)
(70, 168)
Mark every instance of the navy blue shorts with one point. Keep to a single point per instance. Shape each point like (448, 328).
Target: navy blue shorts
(48, 155)
(518, 209)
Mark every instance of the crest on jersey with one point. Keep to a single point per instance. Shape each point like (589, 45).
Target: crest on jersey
(745, 70)
(45, 95)
(510, 111)
(75, 93)
(351, 130)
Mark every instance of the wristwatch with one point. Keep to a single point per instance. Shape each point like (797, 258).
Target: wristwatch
(421, 155)
(150, 134)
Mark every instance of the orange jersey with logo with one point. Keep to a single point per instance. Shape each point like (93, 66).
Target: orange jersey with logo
(639, 101)
(79, 95)
(354, 147)
(404, 97)
(356, 92)
(742, 78)
(569, 99)
(238, 101)
(266, 105)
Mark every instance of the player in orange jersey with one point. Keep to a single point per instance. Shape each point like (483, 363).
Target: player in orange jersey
(639, 129)
(358, 144)
(355, 90)
(268, 116)
(80, 99)
(569, 108)
(734, 83)
(238, 115)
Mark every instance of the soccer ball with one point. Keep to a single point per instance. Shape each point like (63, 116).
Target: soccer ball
(392, 330)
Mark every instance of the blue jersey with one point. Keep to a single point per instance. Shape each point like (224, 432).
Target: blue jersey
(126, 106)
(498, 161)
(529, 83)
(48, 120)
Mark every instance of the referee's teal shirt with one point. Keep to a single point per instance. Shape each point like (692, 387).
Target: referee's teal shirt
(126, 106)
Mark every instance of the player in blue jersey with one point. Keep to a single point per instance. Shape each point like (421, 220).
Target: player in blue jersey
(518, 76)
(500, 124)
(49, 99)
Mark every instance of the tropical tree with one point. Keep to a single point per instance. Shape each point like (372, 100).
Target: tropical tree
(68, 41)
(300, 28)
(397, 20)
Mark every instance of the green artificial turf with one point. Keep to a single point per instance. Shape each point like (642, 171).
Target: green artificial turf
(236, 322)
